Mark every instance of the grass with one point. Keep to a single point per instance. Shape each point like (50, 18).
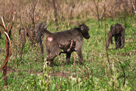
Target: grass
(31, 73)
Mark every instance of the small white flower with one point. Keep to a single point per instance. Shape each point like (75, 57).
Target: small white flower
(45, 59)
(79, 79)
(39, 82)
(72, 78)
(38, 74)
(23, 83)
(49, 76)
(60, 79)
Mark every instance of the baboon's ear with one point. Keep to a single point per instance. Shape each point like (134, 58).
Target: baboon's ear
(45, 27)
(82, 27)
(50, 39)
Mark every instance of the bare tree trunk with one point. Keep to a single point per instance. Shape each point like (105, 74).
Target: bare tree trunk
(6, 60)
(55, 13)
(72, 7)
(133, 7)
(97, 10)
(7, 31)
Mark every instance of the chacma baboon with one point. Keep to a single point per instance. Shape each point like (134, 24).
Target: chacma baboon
(68, 47)
(36, 34)
(65, 38)
(118, 32)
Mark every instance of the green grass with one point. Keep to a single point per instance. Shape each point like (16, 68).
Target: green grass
(31, 73)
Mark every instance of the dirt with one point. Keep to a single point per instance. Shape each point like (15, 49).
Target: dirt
(9, 70)
(60, 74)
(56, 74)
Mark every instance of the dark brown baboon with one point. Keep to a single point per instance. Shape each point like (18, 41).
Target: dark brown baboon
(68, 47)
(71, 40)
(118, 32)
(36, 35)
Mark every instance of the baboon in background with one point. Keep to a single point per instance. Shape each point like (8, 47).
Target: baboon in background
(35, 35)
(118, 32)
(71, 40)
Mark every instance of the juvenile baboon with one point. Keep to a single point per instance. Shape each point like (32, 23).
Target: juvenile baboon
(72, 39)
(68, 47)
(118, 32)
(35, 35)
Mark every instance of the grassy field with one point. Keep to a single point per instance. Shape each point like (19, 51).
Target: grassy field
(97, 74)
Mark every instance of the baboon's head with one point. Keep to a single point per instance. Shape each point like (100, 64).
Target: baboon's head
(85, 31)
(118, 28)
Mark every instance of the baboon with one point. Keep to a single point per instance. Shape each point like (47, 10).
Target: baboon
(68, 47)
(71, 40)
(35, 35)
(118, 32)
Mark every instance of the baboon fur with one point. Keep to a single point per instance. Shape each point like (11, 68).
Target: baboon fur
(53, 40)
(118, 32)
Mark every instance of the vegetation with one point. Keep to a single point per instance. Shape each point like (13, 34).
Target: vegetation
(112, 70)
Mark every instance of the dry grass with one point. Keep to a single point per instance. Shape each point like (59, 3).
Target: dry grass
(66, 10)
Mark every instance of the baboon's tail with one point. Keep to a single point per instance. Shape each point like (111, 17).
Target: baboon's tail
(47, 32)
(44, 26)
